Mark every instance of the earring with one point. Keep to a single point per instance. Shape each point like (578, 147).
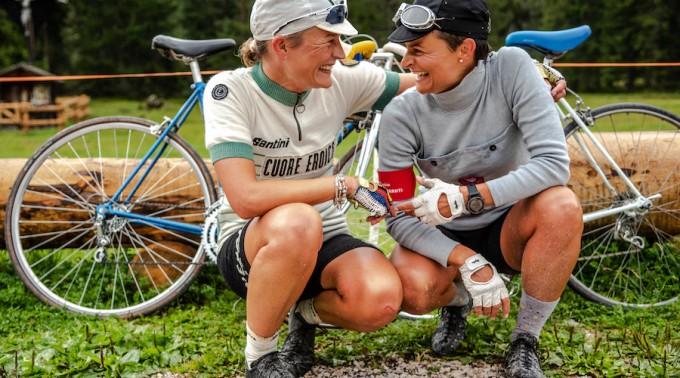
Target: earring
(460, 60)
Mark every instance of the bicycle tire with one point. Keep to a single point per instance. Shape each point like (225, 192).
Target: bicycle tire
(50, 220)
(610, 270)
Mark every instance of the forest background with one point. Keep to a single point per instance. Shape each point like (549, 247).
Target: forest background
(88, 37)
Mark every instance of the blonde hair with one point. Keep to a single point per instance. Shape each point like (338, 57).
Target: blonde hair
(252, 51)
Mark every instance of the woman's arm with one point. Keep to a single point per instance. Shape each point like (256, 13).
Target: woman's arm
(406, 81)
(251, 198)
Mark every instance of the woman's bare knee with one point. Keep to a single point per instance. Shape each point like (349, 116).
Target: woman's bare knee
(289, 236)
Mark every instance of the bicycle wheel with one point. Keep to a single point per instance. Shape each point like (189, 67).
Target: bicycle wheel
(630, 258)
(59, 250)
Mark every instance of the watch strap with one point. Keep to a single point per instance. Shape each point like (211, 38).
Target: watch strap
(472, 191)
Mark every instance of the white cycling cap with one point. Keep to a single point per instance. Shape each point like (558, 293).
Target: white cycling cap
(270, 18)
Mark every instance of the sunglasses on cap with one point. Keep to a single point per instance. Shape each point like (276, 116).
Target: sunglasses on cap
(416, 17)
(336, 15)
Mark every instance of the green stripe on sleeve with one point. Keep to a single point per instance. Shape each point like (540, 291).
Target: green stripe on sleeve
(230, 150)
(391, 89)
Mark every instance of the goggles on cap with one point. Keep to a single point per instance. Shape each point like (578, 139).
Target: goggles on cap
(336, 15)
(416, 17)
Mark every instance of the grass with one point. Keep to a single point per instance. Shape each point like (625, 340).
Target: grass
(202, 333)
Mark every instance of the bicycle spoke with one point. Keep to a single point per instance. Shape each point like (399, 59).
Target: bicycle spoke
(632, 259)
(71, 255)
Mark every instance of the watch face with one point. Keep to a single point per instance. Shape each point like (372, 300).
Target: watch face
(475, 205)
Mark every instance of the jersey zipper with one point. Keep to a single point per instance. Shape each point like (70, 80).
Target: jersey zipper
(297, 103)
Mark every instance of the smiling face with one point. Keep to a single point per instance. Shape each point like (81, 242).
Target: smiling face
(437, 66)
(308, 64)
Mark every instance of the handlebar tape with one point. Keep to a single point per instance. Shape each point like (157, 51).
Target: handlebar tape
(362, 50)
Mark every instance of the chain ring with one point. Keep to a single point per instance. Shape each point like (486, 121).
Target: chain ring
(210, 231)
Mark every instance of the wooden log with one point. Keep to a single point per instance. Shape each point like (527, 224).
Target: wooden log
(660, 170)
(82, 180)
(650, 160)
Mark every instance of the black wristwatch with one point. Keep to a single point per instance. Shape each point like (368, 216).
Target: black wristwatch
(475, 203)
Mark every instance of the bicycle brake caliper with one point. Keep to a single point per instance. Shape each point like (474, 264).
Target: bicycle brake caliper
(158, 129)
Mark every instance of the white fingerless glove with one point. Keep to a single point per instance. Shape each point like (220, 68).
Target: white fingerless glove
(425, 206)
(484, 294)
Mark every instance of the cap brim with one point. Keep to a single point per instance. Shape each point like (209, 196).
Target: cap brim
(403, 34)
(344, 28)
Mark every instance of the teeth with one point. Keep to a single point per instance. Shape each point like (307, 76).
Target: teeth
(326, 68)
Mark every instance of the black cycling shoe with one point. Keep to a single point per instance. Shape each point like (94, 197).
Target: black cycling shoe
(298, 348)
(523, 360)
(270, 365)
(450, 331)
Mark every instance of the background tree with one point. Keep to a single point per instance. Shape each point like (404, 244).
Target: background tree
(216, 19)
(114, 37)
(37, 42)
(12, 48)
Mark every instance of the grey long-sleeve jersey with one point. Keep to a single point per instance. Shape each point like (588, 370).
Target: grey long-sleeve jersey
(499, 123)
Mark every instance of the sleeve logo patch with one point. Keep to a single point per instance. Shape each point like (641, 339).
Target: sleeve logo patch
(220, 92)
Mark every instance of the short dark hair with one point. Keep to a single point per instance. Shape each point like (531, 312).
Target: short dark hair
(481, 52)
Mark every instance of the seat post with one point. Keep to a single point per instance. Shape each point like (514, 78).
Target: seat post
(195, 71)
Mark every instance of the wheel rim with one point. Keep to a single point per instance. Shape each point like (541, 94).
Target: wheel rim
(68, 181)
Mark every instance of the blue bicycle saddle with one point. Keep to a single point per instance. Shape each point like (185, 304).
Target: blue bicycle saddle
(553, 43)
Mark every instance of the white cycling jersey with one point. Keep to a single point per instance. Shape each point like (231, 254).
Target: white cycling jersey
(288, 135)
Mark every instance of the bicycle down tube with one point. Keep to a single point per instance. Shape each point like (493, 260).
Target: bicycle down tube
(157, 148)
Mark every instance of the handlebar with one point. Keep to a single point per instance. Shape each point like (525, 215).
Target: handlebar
(394, 48)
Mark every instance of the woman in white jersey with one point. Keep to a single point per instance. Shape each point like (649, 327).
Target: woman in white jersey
(484, 131)
(270, 130)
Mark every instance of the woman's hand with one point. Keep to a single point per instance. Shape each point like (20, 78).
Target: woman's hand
(372, 196)
(488, 296)
(559, 90)
(440, 204)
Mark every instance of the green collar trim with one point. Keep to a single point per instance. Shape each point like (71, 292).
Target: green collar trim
(275, 91)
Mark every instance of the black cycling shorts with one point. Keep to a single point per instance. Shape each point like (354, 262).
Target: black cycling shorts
(234, 267)
(485, 241)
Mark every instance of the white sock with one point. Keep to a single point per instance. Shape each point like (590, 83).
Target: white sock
(306, 309)
(258, 346)
(532, 315)
(462, 296)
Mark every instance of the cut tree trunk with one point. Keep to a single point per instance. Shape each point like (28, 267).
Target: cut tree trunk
(584, 181)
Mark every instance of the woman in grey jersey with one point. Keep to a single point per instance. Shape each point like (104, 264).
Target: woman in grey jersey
(483, 131)
(270, 130)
